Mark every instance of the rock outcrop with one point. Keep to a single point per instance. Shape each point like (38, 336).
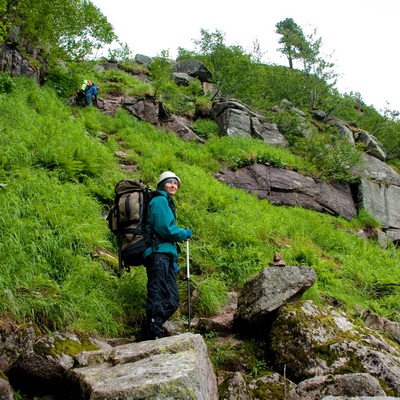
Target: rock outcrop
(12, 61)
(285, 187)
(378, 193)
(193, 68)
(310, 341)
(236, 119)
(315, 388)
(175, 367)
(270, 289)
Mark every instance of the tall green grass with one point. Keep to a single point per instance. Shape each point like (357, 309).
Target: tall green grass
(60, 173)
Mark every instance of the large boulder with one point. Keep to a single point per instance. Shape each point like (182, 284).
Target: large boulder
(379, 172)
(236, 119)
(268, 132)
(377, 323)
(284, 187)
(381, 201)
(336, 385)
(378, 193)
(312, 341)
(235, 123)
(372, 145)
(345, 132)
(175, 367)
(270, 386)
(234, 387)
(143, 60)
(42, 369)
(181, 79)
(143, 109)
(265, 292)
(193, 68)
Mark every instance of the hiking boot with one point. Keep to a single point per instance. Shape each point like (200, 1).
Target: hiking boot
(152, 330)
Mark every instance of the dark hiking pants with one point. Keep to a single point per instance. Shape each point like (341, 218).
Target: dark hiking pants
(162, 292)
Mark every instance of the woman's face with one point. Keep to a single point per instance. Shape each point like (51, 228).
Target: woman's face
(171, 187)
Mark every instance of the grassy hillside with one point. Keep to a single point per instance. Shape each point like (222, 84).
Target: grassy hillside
(58, 173)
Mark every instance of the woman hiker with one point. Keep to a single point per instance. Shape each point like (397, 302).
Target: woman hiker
(161, 258)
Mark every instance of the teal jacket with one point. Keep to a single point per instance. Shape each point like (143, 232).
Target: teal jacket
(162, 220)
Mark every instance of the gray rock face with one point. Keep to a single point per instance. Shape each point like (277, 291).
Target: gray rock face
(372, 145)
(377, 323)
(193, 68)
(236, 388)
(268, 132)
(181, 79)
(181, 126)
(271, 386)
(12, 61)
(175, 367)
(336, 385)
(345, 132)
(379, 172)
(272, 288)
(236, 119)
(143, 109)
(379, 191)
(312, 341)
(284, 187)
(235, 123)
(6, 392)
(143, 60)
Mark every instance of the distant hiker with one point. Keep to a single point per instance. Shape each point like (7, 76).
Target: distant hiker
(161, 258)
(91, 94)
(81, 94)
(85, 85)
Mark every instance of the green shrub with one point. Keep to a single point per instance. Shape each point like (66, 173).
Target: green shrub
(6, 83)
(335, 158)
(205, 128)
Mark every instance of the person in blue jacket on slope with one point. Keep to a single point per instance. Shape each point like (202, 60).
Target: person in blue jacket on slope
(161, 258)
(91, 94)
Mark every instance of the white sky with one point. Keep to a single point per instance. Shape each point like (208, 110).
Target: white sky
(362, 35)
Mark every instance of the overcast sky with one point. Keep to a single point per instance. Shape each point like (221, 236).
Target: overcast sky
(362, 35)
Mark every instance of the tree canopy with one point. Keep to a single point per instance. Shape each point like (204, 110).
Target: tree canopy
(67, 29)
(293, 40)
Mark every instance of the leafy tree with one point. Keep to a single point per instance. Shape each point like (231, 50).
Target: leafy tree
(160, 71)
(67, 29)
(235, 72)
(122, 53)
(292, 40)
(318, 71)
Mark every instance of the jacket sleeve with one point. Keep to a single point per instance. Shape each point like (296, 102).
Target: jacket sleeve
(163, 221)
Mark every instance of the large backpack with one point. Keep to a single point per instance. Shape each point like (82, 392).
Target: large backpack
(127, 220)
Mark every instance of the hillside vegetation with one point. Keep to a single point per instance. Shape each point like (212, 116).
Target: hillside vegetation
(58, 171)
(57, 175)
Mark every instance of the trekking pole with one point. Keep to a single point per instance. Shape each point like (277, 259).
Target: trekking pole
(188, 281)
